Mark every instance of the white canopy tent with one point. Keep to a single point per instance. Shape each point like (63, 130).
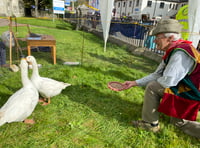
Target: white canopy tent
(194, 21)
(106, 7)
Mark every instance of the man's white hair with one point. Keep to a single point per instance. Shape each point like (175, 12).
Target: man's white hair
(177, 36)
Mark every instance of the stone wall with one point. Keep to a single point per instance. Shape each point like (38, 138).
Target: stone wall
(4, 8)
(12, 7)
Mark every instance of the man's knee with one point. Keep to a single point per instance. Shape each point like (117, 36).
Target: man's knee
(154, 86)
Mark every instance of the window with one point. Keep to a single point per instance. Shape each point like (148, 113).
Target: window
(137, 3)
(162, 5)
(130, 3)
(149, 3)
(173, 7)
(170, 6)
(133, 3)
(118, 4)
(176, 7)
(124, 4)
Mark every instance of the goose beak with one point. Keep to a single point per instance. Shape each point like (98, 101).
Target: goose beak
(27, 61)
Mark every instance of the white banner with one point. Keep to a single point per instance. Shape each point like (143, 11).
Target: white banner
(58, 6)
(106, 7)
(194, 21)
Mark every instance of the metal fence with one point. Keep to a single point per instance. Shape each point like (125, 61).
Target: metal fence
(133, 32)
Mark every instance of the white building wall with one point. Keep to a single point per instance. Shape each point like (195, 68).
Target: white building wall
(136, 8)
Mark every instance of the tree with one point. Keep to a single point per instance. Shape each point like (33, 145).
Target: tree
(37, 4)
(36, 8)
(81, 2)
(41, 3)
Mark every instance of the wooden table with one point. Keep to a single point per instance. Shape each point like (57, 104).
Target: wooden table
(46, 40)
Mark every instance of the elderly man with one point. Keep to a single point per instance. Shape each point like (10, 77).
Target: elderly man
(174, 88)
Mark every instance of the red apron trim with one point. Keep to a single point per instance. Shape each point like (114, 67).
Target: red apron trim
(179, 107)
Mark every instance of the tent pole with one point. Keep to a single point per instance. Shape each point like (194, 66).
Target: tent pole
(82, 49)
(104, 46)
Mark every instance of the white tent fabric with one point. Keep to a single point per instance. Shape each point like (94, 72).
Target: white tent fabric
(106, 7)
(194, 21)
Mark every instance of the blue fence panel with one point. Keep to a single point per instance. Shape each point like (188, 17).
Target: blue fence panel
(129, 30)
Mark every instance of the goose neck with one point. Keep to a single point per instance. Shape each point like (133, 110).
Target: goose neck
(24, 76)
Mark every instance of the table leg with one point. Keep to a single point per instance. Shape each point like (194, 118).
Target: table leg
(29, 50)
(54, 54)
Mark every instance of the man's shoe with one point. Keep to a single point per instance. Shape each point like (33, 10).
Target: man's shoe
(147, 126)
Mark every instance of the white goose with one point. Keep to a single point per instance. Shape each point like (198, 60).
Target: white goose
(23, 102)
(47, 87)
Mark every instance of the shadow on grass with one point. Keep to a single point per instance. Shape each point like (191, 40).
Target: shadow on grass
(113, 73)
(146, 66)
(107, 104)
(65, 26)
(3, 98)
(92, 38)
(45, 56)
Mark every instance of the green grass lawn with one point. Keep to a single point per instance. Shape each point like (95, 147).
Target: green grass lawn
(86, 114)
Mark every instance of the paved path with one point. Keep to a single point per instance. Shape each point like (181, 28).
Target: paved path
(4, 22)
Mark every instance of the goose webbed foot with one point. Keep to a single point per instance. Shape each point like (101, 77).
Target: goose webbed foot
(42, 99)
(46, 103)
(29, 121)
